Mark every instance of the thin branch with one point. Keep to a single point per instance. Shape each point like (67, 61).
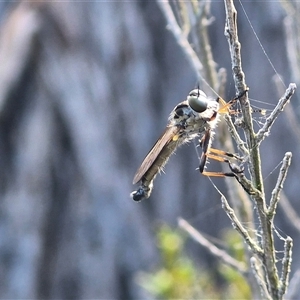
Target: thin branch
(239, 200)
(221, 254)
(236, 61)
(181, 39)
(202, 44)
(234, 44)
(264, 131)
(270, 283)
(231, 34)
(249, 188)
(233, 132)
(289, 110)
(184, 17)
(268, 258)
(279, 184)
(222, 79)
(238, 226)
(263, 288)
(286, 266)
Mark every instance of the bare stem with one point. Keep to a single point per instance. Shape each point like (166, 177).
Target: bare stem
(264, 131)
(240, 85)
(268, 258)
(238, 226)
(279, 185)
(265, 273)
(181, 38)
(286, 266)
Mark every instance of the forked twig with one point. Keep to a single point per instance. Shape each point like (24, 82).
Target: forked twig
(268, 259)
(266, 273)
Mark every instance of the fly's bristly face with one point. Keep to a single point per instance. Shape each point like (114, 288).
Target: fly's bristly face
(189, 119)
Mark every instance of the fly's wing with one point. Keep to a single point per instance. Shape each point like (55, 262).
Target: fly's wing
(167, 136)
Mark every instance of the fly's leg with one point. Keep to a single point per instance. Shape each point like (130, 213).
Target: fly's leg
(225, 106)
(217, 155)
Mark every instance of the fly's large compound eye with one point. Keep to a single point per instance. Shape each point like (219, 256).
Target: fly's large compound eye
(197, 100)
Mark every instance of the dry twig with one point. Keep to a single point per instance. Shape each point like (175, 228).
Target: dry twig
(279, 185)
(265, 130)
(265, 273)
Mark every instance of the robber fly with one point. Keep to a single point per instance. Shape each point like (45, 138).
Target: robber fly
(197, 116)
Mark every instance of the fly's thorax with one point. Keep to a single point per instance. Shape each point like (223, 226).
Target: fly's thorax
(180, 113)
(212, 114)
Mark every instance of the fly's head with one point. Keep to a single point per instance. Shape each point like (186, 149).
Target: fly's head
(189, 110)
(206, 108)
(195, 111)
(197, 100)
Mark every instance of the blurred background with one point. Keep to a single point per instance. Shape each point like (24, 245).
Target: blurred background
(86, 89)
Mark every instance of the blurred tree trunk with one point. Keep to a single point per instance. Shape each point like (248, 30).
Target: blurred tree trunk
(86, 88)
(68, 227)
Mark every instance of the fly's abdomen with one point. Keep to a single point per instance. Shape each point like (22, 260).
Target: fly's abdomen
(145, 189)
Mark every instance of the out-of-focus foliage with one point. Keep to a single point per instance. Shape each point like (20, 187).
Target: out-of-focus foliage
(237, 285)
(179, 277)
